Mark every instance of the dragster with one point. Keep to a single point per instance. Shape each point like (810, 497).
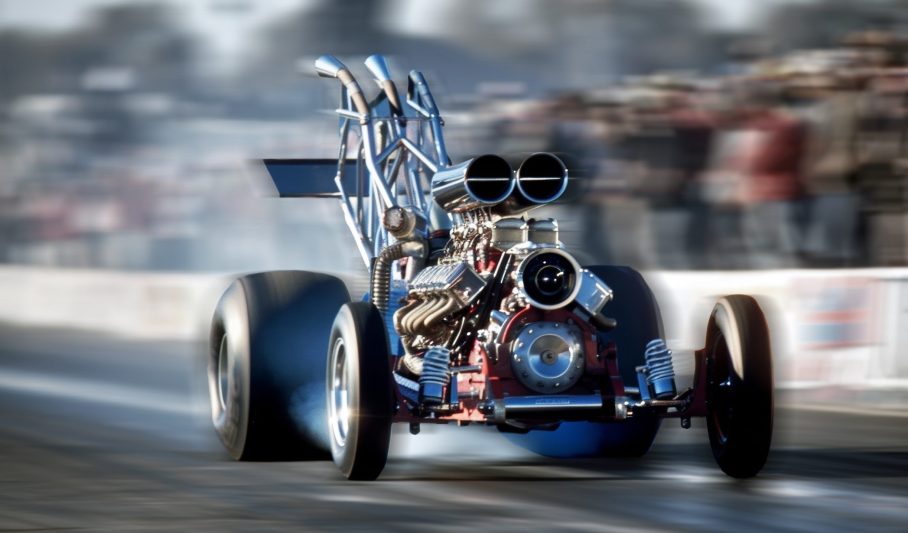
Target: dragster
(476, 314)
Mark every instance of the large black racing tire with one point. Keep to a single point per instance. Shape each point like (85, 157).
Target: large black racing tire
(266, 363)
(639, 321)
(360, 398)
(740, 386)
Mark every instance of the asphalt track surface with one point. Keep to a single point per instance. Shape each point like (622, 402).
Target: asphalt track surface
(110, 434)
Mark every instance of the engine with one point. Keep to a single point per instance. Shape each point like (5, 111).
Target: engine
(494, 264)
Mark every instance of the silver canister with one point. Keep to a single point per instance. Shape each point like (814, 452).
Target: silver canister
(543, 231)
(508, 232)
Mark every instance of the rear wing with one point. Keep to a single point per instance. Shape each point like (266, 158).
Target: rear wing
(311, 178)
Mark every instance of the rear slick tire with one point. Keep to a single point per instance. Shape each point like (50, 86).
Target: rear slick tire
(360, 398)
(266, 364)
(740, 386)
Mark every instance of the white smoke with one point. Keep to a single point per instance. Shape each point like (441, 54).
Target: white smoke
(307, 407)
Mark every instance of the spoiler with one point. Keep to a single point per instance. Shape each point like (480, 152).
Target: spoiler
(310, 178)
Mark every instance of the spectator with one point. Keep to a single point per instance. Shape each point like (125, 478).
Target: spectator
(829, 171)
(774, 189)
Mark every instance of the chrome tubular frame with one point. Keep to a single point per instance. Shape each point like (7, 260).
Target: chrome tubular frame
(397, 147)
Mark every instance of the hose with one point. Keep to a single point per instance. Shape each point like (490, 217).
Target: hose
(381, 269)
(381, 275)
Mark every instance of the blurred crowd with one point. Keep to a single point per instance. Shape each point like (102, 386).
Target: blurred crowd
(126, 137)
(795, 161)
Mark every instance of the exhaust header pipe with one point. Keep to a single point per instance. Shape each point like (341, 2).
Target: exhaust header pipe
(484, 181)
(331, 67)
(378, 66)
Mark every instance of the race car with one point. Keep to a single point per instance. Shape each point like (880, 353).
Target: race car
(476, 314)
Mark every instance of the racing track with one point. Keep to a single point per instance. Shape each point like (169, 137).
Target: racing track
(101, 433)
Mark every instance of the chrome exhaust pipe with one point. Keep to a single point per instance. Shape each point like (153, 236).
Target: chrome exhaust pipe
(331, 67)
(484, 181)
(378, 66)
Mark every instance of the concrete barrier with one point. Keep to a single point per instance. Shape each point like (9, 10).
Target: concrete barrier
(843, 327)
(846, 327)
(132, 304)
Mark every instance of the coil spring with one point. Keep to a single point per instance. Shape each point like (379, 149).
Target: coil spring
(661, 375)
(435, 373)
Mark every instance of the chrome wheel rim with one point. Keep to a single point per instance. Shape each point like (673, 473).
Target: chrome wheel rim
(340, 394)
(223, 383)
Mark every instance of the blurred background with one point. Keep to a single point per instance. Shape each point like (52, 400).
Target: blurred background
(712, 136)
(747, 146)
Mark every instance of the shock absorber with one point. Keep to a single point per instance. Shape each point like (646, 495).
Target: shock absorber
(661, 374)
(435, 375)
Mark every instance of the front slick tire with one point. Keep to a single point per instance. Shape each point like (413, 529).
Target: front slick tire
(740, 387)
(360, 399)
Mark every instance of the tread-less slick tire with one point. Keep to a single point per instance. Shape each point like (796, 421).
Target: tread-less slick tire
(266, 363)
(740, 388)
(360, 398)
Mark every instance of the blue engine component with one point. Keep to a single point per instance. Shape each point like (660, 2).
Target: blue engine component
(399, 290)
(408, 388)
(435, 375)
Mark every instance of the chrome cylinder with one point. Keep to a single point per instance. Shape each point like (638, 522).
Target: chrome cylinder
(484, 181)
(543, 232)
(509, 232)
(548, 277)
(541, 179)
(549, 407)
